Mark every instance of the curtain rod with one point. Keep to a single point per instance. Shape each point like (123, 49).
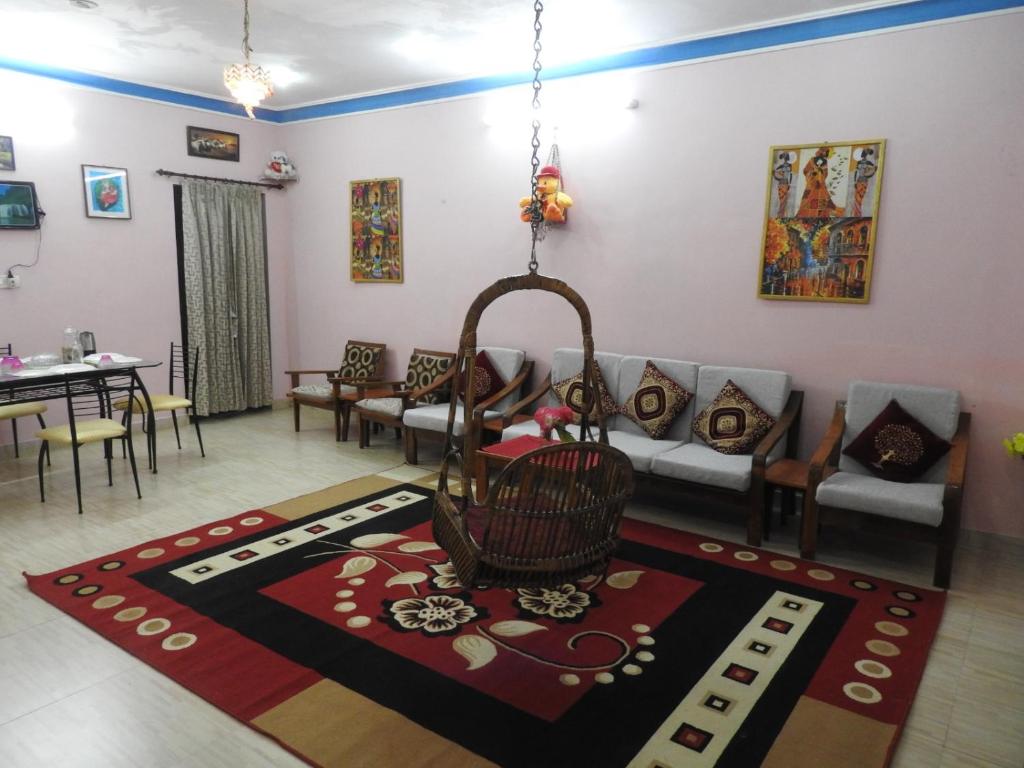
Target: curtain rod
(162, 172)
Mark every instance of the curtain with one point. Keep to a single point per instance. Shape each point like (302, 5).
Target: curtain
(226, 295)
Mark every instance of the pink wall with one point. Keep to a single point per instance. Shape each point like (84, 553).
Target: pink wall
(664, 240)
(116, 278)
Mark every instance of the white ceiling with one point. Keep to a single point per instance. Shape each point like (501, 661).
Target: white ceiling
(330, 49)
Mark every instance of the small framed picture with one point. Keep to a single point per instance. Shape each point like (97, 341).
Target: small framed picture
(211, 144)
(106, 192)
(6, 153)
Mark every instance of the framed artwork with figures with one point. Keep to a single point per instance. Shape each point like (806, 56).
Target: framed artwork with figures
(821, 216)
(376, 231)
(106, 192)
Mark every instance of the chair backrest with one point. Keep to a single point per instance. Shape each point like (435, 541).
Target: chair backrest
(769, 389)
(425, 366)
(184, 367)
(363, 360)
(938, 409)
(92, 397)
(5, 349)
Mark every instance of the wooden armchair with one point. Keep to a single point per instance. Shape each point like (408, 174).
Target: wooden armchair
(427, 381)
(361, 370)
(842, 491)
(432, 420)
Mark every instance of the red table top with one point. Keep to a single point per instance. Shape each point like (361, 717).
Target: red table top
(517, 446)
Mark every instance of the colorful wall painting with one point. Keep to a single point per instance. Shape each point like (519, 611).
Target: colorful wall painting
(376, 231)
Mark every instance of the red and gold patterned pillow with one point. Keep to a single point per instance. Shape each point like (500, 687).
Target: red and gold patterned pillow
(656, 402)
(570, 393)
(896, 446)
(487, 382)
(732, 423)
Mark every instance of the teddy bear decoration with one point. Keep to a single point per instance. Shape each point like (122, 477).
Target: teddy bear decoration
(280, 168)
(553, 201)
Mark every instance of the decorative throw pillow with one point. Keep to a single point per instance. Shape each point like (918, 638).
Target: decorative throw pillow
(487, 382)
(896, 446)
(361, 361)
(423, 369)
(570, 393)
(732, 423)
(656, 402)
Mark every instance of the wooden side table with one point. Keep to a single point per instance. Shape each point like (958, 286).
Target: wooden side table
(495, 427)
(790, 476)
(499, 455)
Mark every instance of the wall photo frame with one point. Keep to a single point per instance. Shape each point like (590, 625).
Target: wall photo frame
(821, 216)
(376, 231)
(106, 192)
(6, 153)
(213, 144)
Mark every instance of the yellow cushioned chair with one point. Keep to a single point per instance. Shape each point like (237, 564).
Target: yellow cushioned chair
(89, 411)
(17, 410)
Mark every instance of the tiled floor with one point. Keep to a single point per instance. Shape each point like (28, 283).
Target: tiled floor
(69, 698)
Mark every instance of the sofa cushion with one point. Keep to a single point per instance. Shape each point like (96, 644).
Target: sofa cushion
(570, 393)
(390, 406)
(321, 391)
(937, 409)
(361, 361)
(732, 423)
(435, 418)
(487, 379)
(423, 370)
(896, 446)
(699, 464)
(639, 448)
(656, 402)
(915, 502)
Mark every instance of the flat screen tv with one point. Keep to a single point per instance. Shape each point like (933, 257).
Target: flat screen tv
(19, 208)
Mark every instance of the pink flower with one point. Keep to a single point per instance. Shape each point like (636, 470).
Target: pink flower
(551, 418)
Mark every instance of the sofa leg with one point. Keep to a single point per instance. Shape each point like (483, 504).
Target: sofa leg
(944, 561)
(346, 412)
(364, 432)
(295, 413)
(410, 446)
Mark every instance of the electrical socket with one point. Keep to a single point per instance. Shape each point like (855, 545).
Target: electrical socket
(14, 281)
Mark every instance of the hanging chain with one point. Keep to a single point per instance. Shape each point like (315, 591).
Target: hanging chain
(245, 32)
(536, 212)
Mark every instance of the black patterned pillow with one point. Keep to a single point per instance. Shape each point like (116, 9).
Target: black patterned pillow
(570, 392)
(656, 402)
(361, 361)
(423, 369)
(896, 446)
(732, 423)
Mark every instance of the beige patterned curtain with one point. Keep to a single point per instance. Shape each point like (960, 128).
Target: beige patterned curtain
(226, 295)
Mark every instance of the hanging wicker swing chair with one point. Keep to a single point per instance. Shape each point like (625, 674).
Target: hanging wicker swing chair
(553, 515)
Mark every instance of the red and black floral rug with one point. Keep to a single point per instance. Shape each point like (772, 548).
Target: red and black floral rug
(335, 624)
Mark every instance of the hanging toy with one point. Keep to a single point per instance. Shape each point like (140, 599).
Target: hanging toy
(280, 168)
(554, 202)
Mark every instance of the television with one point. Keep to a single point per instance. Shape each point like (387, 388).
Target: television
(19, 207)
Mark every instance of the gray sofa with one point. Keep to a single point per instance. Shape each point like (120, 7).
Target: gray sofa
(682, 457)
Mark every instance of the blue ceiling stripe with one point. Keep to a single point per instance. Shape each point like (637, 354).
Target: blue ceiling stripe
(855, 22)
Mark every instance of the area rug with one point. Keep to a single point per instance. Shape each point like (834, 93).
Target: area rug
(335, 625)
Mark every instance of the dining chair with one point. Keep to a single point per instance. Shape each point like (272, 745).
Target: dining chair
(89, 421)
(184, 367)
(17, 410)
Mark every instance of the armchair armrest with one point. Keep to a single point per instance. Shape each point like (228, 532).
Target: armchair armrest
(413, 396)
(958, 453)
(514, 409)
(296, 373)
(508, 389)
(789, 416)
(827, 453)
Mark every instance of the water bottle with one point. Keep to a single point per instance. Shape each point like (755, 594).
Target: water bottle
(71, 351)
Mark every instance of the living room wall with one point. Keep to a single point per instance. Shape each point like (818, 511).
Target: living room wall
(664, 238)
(117, 278)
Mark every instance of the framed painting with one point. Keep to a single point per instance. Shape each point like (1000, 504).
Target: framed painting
(6, 153)
(821, 215)
(213, 145)
(376, 231)
(106, 192)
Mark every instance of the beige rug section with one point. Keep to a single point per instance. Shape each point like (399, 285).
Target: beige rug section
(339, 728)
(317, 501)
(817, 733)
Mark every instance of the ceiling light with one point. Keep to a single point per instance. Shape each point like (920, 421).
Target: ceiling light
(249, 83)
(86, 4)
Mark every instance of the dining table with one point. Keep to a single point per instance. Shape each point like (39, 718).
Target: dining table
(58, 382)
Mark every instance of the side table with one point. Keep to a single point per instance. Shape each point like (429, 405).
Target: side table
(501, 454)
(790, 476)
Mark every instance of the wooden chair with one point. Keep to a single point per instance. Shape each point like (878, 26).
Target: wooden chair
(842, 491)
(90, 421)
(427, 381)
(179, 368)
(361, 367)
(553, 515)
(430, 421)
(15, 411)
